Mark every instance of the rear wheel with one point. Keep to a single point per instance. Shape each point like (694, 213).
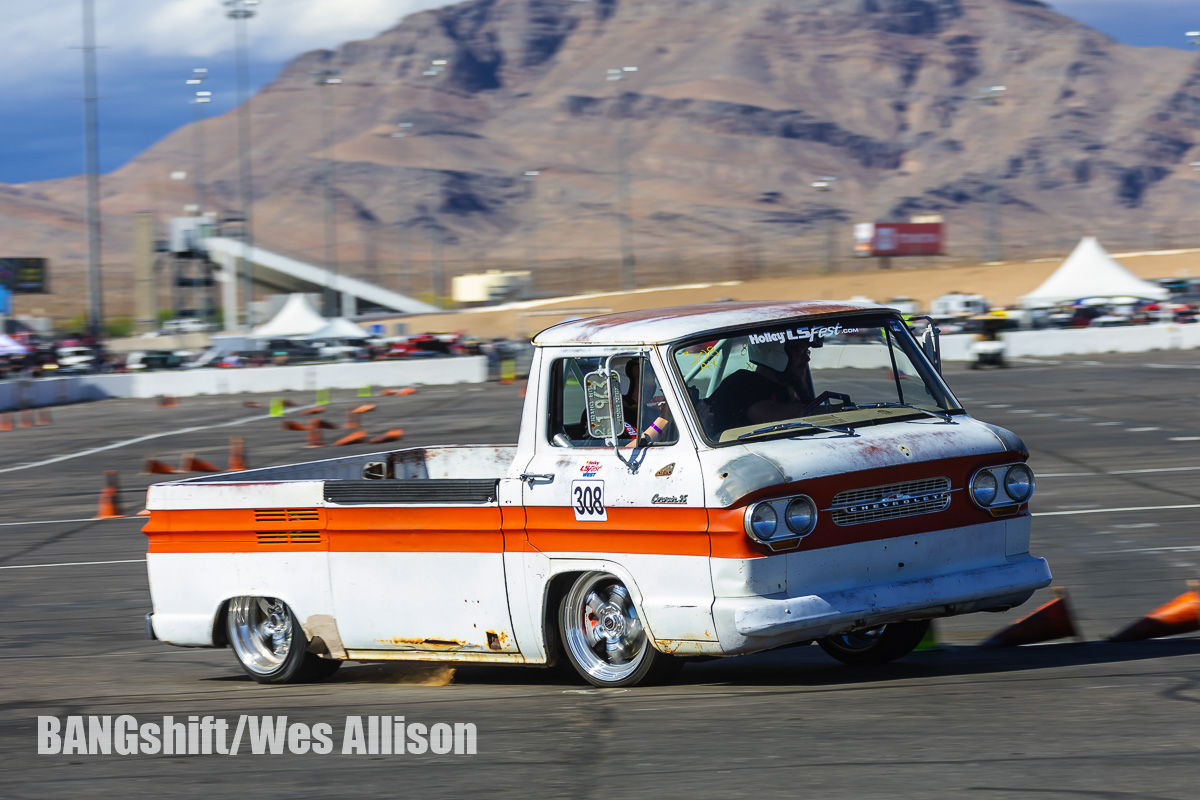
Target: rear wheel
(876, 645)
(603, 635)
(270, 644)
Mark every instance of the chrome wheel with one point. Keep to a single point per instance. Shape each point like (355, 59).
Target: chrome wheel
(603, 634)
(261, 630)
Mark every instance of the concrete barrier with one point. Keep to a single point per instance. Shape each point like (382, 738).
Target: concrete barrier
(24, 393)
(1081, 341)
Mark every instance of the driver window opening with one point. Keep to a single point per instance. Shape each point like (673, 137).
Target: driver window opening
(644, 417)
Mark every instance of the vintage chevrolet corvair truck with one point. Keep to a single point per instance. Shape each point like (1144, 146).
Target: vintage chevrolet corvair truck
(689, 482)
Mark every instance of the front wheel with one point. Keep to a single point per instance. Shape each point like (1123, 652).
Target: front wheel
(603, 635)
(876, 645)
(270, 644)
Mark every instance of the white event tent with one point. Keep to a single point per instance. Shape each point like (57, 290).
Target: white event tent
(296, 318)
(1090, 272)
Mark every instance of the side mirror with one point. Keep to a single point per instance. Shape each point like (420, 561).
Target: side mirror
(602, 394)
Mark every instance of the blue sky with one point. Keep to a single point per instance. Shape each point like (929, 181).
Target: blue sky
(151, 47)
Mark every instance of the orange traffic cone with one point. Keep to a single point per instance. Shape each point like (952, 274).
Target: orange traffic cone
(192, 464)
(6, 422)
(167, 401)
(155, 467)
(394, 435)
(1051, 621)
(363, 409)
(43, 417)
(351, 438)
(1181, 615)
(288, 403)
(314, 410)
(110, 502)
(314, 433)
(388, 392)
(26, 418)
(253, 404)
(351, 419)
(320, 422)
(292, 425)
(237, 457)
(406, 391)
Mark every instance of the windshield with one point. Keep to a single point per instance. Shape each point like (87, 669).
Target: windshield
(796, 376)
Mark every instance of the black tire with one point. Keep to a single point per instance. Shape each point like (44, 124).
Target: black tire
(876, 645)
(603, 637)
(270, 644)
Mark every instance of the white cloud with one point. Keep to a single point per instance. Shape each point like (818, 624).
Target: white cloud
(41, 39)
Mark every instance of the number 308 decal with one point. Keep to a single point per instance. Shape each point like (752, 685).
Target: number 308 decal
(587, 498)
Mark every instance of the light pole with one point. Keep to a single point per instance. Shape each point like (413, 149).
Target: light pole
(825, 183)
(240, 11)
(200, 98)
(404, 266)
(529, 176)
(325, 78)
(992, 96)
(624, 191)
(436, 278)
(95, 308)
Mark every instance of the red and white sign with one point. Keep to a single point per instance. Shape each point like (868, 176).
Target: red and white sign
(899, 238)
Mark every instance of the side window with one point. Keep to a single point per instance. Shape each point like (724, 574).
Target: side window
(643, 404)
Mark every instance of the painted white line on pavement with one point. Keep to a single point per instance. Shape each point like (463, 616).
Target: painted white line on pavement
(1112, 510)
(63, 521)
(1115, 472)
(1188, 549)
(1185, 438)
(76, 564)
(1141, 430)
(128, 442)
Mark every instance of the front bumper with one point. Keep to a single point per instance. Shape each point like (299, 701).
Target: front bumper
(747, 624)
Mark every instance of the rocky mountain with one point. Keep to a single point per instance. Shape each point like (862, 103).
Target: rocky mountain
(735, 108)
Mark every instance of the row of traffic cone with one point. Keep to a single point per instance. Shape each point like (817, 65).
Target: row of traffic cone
(1054, 620)
(27, 418)
(190, 463)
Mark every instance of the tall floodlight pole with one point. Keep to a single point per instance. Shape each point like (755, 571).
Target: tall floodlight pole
(199, 99)
(624, 190)
(325, 78)
(825, 183)
(240, 11)
(530, 176)
(992, 96)
(95, 306)
(403, 266)
(437, 278)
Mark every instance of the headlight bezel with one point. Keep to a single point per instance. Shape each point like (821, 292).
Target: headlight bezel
(782, 536)
(1003, 501)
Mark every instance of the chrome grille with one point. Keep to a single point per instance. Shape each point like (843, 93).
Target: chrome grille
(895, 500)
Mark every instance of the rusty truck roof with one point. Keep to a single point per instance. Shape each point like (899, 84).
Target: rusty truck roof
(662, 325)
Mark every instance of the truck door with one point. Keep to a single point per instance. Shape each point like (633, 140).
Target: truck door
(634, 504)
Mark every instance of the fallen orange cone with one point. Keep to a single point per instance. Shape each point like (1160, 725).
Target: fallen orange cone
(155, 467)
(363, 409)
(253, 404)
(408, 390)
(351, 438)
(314, 410)
(192, 464)
(110, 504)
(1181, 615)
(292, 425)
(314, 433)
(394, 435)
(1049, 622)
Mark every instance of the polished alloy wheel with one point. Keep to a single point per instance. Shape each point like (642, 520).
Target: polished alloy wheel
(261, 631)
(602, 630)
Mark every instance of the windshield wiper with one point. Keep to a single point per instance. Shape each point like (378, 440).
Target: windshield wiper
(790, 425)
(942, 415)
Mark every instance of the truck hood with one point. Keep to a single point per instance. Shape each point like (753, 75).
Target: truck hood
(731, 473)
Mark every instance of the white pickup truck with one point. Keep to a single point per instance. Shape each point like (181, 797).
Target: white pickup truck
(689, 482)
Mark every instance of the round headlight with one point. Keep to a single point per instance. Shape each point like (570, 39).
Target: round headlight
(801, 515)
(1018, 482)
(763, 521)
(984, 488)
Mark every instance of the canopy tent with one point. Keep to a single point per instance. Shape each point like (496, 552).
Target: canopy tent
(338, 328)
(296, 318)
(11, 347)
(1091, 272)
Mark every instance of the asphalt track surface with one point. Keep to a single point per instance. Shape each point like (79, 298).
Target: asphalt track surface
(1116, 445)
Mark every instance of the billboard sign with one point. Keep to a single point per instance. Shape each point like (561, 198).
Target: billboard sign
(25, 275)
(899, 238)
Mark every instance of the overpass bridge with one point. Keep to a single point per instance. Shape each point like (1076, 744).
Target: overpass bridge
(289, 275)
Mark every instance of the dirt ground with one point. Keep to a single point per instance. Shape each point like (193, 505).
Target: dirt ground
(1002, 283)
